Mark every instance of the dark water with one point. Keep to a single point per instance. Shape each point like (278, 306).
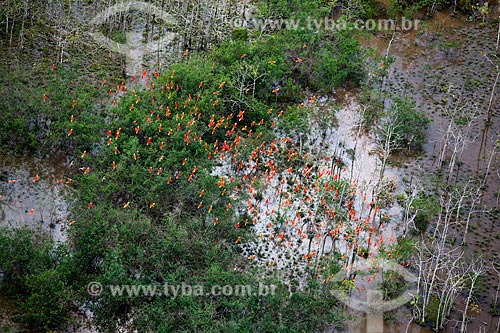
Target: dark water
(441, 66)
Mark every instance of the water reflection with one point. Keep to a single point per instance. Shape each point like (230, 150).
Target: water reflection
(34, 195)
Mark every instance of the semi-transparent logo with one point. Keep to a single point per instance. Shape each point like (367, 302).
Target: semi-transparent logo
(374, 305)
(133, 49)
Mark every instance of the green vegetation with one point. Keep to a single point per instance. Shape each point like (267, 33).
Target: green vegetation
(152, 206)
(427, 208)
(400, 126)
(410, 124)
(409, 7)
(147, 197)
(34, 116)
(39, 275)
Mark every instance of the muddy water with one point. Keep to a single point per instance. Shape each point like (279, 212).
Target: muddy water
(365, 170)
(42, 205)
(443, 66)
(34, 194)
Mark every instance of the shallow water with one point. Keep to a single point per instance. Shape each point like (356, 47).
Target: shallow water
(426, 60)
(444, 66)
(35, 195)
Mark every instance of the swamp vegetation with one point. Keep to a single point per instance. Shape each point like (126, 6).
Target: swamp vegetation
(246, 155)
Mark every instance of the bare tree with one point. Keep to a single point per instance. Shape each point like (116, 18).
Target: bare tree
(387, 135)
(409, 211)
(458, 135)
(245, 82)
(441, 276)
(475, 271)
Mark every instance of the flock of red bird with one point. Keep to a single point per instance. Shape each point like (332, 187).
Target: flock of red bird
(304, 184)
